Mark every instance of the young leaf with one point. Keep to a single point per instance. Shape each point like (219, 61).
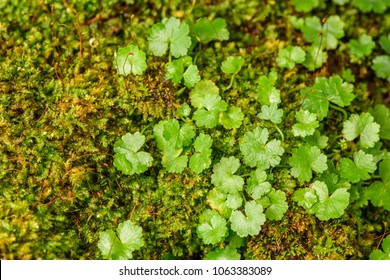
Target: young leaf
(130, 60)
(232, 118)
(330, 207)
(121, 246)
(362, 126)
(223, 175)
(381, 66)
(127, 157)
(305, 6)
(358, 169)
(271, 113)
(288, 57)
(204, 93)
(306, 198)
(257, 185)
(232, 64)
(324, 91)
(251, 222)
(206, 30)
(307, 123)
(379, 192)
(381, 116)
(212, 227)
(257, 151)
(267, 93)
(201, 160)
(306, 159)
(172, 34)
(361, 47)
(383, 254)
(278, 205)
(227, 253)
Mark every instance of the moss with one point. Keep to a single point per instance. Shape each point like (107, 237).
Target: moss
(63, 106)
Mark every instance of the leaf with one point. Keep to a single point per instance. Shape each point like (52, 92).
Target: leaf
(234, 201)
(361, 47)
(184, 110)
(172, 34)
(201, 160)
(305, 6)
(127, 157)
(307, 123)
(267, 93)
(232, 64)
(251, 222)
(306, 198)
(212, 227)
(258, 152)
(288, 57)
(278, 207)
(223, 175)
(362, 126)
(227, 253)
(315, 58)
(191, 76)
(384, 42)
(316, 200)
(204, 93)
(217, 201)
(232, 118)
(330, 207)
(381, 66)
(332, 30)
(366, 6)
(130, 60)
(206, 30)
(169, 134)
(211, 116)
(324, 91)
(121, 246)
(358, 169)
(173, 160)
(257, 185)
(381, 116)
(321, 141)
(383, 254)
(271, 113)
(306, 159)
(379, 192)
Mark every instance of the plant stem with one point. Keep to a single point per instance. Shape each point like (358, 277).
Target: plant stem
(231, 82)
(280, 132)
(340, 110)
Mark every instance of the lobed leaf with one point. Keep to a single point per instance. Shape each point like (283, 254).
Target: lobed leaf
(306, 159)
(223, 175)
(130, 60)
(258, 152)
(251, 222)
(362, 126)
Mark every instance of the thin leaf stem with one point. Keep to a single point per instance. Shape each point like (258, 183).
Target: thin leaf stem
(340, 110)
(280, 132)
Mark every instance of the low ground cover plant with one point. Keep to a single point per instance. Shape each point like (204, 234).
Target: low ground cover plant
(198, 137)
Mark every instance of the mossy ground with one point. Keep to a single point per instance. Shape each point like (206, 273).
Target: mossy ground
(63, 106)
